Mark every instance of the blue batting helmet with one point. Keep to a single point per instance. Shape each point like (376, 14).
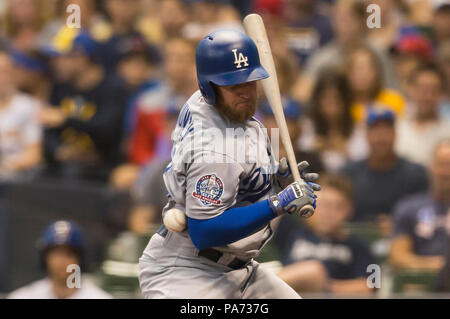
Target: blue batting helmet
(61, 233)
(226, 57)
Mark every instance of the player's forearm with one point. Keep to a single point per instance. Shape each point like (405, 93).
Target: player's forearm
(402, 256)
(232, 225)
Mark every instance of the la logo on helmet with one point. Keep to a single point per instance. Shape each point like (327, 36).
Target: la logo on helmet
(239, 59)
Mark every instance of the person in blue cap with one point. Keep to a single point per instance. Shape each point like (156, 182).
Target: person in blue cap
(384, 177)
(61, 249)
(85, 118)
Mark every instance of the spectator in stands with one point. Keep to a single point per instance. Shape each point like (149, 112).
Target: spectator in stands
(367, 89)
(421, 226)
(307, 28)
(349, 23)
(179, 55)
(384, 178)
(151, 119)
(23, 20)
(138, 67)
(173, 16)
(61, 249)
(149, 192)
(331, 131)
(84, 123)
(147, 111)
(318, 255)
(124, 31)
(20, 131)
(418, 134)
(411, 49)
(441, 23)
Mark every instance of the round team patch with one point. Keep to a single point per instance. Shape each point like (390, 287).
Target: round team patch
(209, 190)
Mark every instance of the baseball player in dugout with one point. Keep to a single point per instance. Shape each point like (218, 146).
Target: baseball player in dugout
(60, 246)
(230, 197)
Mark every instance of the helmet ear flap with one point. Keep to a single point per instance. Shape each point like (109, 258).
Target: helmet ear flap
(208, 92)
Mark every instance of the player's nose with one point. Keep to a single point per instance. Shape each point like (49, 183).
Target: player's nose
(245, 90)
(244, 95)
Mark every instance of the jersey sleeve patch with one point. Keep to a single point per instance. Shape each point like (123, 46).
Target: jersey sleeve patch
(209, 190)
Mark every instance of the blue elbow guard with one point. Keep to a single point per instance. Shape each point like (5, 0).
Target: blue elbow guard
(233, 225)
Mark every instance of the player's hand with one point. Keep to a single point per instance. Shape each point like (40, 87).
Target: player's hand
(284, 175)
(293, 198)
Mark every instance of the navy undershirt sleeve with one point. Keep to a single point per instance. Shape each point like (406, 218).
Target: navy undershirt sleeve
(233, 225)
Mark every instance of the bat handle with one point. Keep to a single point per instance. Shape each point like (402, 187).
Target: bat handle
(307, 211)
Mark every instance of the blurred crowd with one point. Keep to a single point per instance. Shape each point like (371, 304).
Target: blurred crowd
(367, 107)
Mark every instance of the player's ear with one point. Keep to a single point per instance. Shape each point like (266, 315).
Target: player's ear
(215, 88)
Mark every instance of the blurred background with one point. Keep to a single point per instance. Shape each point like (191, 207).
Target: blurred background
(86, 116)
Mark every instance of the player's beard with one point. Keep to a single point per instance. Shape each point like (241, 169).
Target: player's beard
(236, 113)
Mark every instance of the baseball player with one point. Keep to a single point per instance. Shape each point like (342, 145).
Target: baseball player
(230, 204)
(60, 245)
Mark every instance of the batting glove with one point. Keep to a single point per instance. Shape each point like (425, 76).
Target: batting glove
(291, 199)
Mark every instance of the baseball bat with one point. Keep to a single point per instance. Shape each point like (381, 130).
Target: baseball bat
(255, 29)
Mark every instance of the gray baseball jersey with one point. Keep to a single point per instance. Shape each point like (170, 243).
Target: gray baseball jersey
(215, 167)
